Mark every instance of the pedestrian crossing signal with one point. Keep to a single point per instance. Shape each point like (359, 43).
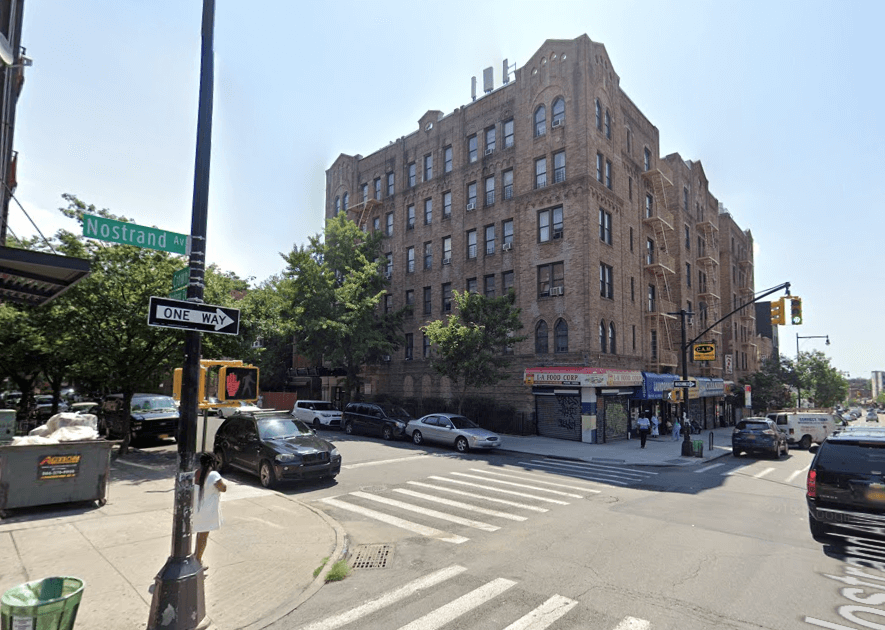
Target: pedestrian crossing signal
(778, 316)
(675, 395)
(238, 383)
(796, 310)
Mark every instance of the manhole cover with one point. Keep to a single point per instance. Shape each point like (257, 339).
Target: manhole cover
(371, 556)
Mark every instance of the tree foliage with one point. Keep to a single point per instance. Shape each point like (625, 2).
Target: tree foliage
(770, 386)
(471, 342)
(332, 296)
(821, 383)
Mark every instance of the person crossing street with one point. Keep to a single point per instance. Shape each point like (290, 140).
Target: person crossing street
(644, 426)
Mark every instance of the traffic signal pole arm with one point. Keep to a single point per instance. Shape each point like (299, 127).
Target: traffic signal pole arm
(785, 286)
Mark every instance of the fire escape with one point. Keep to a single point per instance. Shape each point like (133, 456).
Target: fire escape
(660, 271)
(708, 287)
(747, 316)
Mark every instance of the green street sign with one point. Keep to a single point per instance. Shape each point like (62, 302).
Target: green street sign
(137, 235)
(178, 294)
(181, 278)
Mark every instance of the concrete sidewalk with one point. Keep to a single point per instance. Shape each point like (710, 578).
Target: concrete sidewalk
(261, 560)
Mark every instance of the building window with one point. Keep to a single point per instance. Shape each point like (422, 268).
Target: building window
(389, 268)
(559, 167)
(541, 338)
(364, 188)
(507, 230)
(488, 286)
(687, 239)
(410, 299)
(599, 162)
(649, 206)
(560, 336)
(389, 220)
(606, 281)
(428, 167)
(602, 337)
(630, 188)
(608, 125)
(376, 223)
(632, 289)
(688, 275)
(490, 190)
(631, 239)
(598, 115)
(447, 297)
(685, 198)
(540, 121)
(490, 140)
(649, 252)
(612, 347)
(346, 201)
(426, 347)
(490, 240)
(471, 195)
(471, 244)
(428, 211)
(427, 301)
(412, 175)
(337, 205)
(550, 276)
(550, 224)
(652, 306)
(508, 184)
(388, 302)
(410, 340)
(471, 148)
(608, 174)
(447, 249)
(447, 157)
(633, 328)
(541, 172)
(410, 260)
(507, 279)
(605, 226)
(447, 204)
(558, 117)
(428, 255)
(702, 247)
(410, 216)
(508, 133)
(629, 141)
(472, 286)
(390, 187)
(378, 188)
(646, 159)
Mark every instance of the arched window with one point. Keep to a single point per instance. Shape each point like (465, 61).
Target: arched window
(560, 336)
(337, 205)
(540, 121)
(612, 347)
(558, 112)
(346, 201)
(602, 333)
(541, 338)
(598, 115)
(608, 125)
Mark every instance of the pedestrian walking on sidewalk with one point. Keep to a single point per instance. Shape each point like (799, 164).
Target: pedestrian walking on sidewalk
(643, 424)
(655, 425)
(207, 503)
(676, 429)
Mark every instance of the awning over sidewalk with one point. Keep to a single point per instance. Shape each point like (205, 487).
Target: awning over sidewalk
(35, 278)
(655, 386)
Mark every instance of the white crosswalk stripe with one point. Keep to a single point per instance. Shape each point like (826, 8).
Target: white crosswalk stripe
(460, 504)
(427, 512)
(762, 473)
(590, 471)
(430, 532)
(464, 604)
(544, 615)
(535, 480)
(706, 468)
(796, 473)
(464, 493)
(632, 623)
(525, 495)
(519, 485)
(768, 473)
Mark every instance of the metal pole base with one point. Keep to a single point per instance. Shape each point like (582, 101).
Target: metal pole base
(179, 601)
(686, 445)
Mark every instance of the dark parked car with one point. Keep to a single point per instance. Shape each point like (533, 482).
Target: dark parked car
(151, 415)
(452, 429)
(758, 435)
(43, 407)
(845, 487)
(275, 446)
(388, 421)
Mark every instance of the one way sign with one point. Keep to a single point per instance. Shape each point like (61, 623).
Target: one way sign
(168, 313)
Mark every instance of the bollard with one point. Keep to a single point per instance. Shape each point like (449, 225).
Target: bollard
(711, 442)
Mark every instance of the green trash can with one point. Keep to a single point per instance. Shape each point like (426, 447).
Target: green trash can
(47, 604)
(697, 448)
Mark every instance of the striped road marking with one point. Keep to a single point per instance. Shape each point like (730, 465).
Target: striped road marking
(632, 623)
(417, 528)
(473, 495)
(501, 490)
(384, 461)
(459, 504)
(797, 473)
(544, 615)
(706, 468)
(761, 474)
(535, 480)
(464, 604)
(519, 485)
(426, 512)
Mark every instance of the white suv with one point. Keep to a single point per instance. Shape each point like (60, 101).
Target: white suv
(317, 413)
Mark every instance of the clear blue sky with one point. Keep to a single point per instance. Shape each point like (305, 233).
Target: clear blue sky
(780, 100)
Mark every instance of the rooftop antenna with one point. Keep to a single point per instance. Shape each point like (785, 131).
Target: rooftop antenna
(473, 88)
(488, 80)
(507, 70)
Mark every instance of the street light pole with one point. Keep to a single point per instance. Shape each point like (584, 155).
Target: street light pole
(683, 359)
(798, 383)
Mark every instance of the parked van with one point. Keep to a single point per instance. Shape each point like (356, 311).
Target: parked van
(804, 427)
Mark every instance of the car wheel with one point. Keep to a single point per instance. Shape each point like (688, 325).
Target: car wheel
(461, 445)
(220, 460)
(387, 432)
(417, 438)
(348, 428)
(266, 474)
(735, 452)
(805, 442)
(316, 423)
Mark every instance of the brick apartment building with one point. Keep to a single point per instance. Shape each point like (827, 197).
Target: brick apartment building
(551, 185)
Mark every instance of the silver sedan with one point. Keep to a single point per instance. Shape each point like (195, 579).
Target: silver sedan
(451, 428)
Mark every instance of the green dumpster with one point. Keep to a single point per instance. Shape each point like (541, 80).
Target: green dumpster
(47, 604)
(697, 448)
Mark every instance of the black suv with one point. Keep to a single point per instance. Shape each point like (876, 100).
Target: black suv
(388, 421)
(845, 488)
(758, 435)
(151, 415)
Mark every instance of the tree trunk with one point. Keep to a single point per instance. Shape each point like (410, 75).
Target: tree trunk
(126, 425)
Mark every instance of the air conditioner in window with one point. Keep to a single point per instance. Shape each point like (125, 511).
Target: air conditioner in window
(507, 247)
(559, 122)
(387, 275)
(557, 234)
(447, 261)
(471, 207)
(386, 358)
(489, 151)
(555, 290)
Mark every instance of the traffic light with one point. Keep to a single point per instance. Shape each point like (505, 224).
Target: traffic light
(777, 313)
(176, 384)
(238, 383)
(796, 310)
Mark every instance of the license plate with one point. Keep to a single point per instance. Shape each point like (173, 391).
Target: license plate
(876, 493)
(163, 436)
(751, 437)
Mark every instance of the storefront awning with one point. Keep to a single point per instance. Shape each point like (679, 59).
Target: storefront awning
(582, 377)
(35, 278)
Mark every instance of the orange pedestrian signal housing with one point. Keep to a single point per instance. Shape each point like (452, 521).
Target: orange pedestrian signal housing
(778, 315)
(238, 383)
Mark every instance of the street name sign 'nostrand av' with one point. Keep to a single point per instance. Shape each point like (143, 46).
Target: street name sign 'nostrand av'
(137, 235)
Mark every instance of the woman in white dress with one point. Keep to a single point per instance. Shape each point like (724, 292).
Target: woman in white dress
(207, 503)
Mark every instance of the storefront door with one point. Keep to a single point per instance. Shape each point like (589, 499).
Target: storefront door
(559, 415)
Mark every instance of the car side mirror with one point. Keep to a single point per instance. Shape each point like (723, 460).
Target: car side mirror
(252, 437)
(314, 431)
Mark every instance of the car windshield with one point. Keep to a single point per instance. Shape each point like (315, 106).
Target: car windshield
(752, 426)
(461, 422)
(154, 403)
(851, 457)
(392, 411)
(323, 406)
(44, 400)
(279, 426)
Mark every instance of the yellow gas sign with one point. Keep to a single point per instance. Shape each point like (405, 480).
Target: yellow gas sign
(704, 351)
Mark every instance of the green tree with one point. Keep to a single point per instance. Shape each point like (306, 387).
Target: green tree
(770, 385)
(471, 343)
(22, 351)
(263, 321)
(821, 383)
(333, 291)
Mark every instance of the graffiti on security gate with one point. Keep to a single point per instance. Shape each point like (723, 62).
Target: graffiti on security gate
(569, 411)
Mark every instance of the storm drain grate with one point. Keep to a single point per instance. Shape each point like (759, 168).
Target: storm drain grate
(371, 556)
